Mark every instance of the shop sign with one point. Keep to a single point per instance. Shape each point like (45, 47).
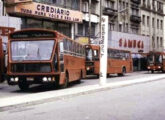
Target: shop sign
(131, 42)
(46, 11)
(83, 40)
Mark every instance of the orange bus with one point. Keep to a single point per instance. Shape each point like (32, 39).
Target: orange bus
(39, 56)
(119, 61)
(156, 61)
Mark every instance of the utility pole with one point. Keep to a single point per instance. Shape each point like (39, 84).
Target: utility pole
(101, 13)
(103, 46)
(89, 8)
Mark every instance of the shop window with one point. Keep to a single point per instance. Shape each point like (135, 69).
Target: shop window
(48, 25)
(32, 23)
(80, 29)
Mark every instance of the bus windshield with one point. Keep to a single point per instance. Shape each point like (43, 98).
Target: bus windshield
(89, 54)
(150, 59)
(158, 59)
(32, 50)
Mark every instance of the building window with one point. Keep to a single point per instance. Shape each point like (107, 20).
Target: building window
(111, 26)
(157, 42)
(153, 23)
(161, 24)
(157, 23)
(85, 7)
(148, 21)
(161, 42)
(110, 4)
(153, 42)
(120, 28)
(144, 3)
(126, 27)
(143, 20)
(80, 29)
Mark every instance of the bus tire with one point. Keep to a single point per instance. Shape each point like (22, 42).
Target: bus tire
(81, 76)
(152, 71)
(97, 76)
(23, 86)
(56, 83)
(123, 72)
(65, 85)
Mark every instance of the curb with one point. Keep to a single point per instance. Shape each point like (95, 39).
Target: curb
(43, 97)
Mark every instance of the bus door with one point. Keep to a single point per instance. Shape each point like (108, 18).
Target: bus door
(61, 62)
(89, 61)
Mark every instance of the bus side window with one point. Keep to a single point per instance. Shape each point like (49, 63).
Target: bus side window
(61, 48)
(83, 49)
(70, 46)
(65, 46)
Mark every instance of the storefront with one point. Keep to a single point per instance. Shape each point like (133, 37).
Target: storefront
(137, 44)
(39, 15)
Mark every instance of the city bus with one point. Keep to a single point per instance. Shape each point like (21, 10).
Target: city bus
(40, 56)
(156, 61)
(119, 61)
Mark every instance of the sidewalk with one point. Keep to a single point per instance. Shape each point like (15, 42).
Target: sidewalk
(70, 92)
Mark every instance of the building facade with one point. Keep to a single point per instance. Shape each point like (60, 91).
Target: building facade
(152, 24)
(124, 15)
(60, 15)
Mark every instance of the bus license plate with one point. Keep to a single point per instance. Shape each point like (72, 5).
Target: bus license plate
(29, 79)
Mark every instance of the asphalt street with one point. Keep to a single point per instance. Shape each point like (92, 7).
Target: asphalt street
(10, 91)
(144, 101)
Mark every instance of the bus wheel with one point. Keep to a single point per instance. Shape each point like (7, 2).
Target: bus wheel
(152, 71)
(23, 85)
(81, 76)
(65, 85)
(123, 72)
(97, 76)
(56, 83)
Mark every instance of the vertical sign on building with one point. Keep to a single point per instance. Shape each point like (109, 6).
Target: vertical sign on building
(103, 50)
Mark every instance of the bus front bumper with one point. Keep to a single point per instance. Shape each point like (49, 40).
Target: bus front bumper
(154, 68)
(14, 80)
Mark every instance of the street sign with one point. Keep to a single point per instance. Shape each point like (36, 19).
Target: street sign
(103, 50)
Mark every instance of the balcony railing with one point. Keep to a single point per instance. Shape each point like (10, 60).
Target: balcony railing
(109, 11)
(135, 18)
(136, 1)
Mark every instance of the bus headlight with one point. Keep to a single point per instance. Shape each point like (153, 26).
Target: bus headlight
(12, 79)
(49, 79)
(159, 67)
(88, 68)
(16, 79)
(44, 79)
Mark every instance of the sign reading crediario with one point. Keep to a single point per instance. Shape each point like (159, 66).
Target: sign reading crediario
(46, 11)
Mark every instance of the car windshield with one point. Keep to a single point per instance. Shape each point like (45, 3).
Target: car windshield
(32, 50)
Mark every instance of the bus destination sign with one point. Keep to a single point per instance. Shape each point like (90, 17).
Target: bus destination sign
(32, 34)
